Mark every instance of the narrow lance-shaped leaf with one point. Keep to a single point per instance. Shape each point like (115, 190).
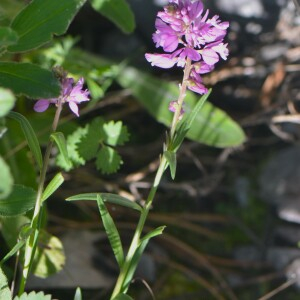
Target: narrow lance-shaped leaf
(6, 180)
(107, 197)
(60, 141)
(7, 101)
(171, 158)
(122, 297)
(53, 185)
(30, 136)
(29, 80)
(78, 294)
(118, 11)
(13, 251)
(214, 127)
(40, 19)
(111, 231)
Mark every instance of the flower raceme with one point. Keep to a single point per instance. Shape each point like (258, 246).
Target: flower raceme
(70, 92)
(184, 31)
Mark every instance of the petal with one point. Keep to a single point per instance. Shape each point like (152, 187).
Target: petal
(41, 105)
(210, 56)
(192, 54)
(164, 61)
(74, 108)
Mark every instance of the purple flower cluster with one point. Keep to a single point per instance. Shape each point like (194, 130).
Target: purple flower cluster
(70, 92)
(184, 31)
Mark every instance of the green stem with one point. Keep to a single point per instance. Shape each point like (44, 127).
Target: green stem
(123, 281)
(35, 221)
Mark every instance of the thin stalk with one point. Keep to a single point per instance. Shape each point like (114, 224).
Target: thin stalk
(35, 221)
(121, 284)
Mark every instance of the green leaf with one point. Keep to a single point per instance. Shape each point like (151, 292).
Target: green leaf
(7, 101)
(53, 185)
(89, 144)
(5, 293)
(28, 79)
(186, 124)
(122, 297)
(6, 180)
(49, 258)
(12, 252)
(212, 126)
(111, 231)
(108, 160)
(171, 158)
(72, 145)
(157, 231)
(40, 19)
(78, 294)
(7, 36)
(107, 197)
(117, 11)
(19, 201)
(33, 296)
(60, 141)
(115, 133)
(30, 136)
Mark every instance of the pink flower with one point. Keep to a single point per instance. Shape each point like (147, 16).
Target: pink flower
(70, 92)
(184, 30)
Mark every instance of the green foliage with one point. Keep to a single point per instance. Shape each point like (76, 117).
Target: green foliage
(123, 297)
(5, 293)
(19, 201)
(40, 19)
(7, 101)
(78, 294)
(111, 231)
(118, 11)
(60, 141)
(33, 296)
(212, 126)
(28, 79)
(49, 258)
(7, 36)
(106, 197)
(53, 185)
(6, 180)
(30, 136)
(172, 161)
(96, 141)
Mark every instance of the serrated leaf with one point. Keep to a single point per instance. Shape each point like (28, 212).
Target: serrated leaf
(107, 197)
(40, 19)
(53, 185)
(60, 141)
(49, 258)
(118, 11)
(72, 144)
(28, 79)
(5, 293)
(30, 136)
(33, 296)
(171, 159)
(6, 180)
(122, 297)
(115, 133)
(7, 36)
(111, 231)
(89, 144)
(7, 101)
(19, 201)
(108, 160)
(212, 126)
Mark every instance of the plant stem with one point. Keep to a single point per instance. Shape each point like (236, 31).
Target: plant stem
(35, 221)
(123, 280)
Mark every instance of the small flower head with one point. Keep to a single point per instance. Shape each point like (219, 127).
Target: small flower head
(71, 93)
(184, 30)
